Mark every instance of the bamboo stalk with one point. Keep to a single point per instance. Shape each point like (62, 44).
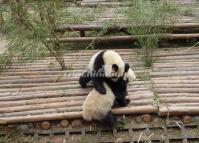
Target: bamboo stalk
(40, 101)
(186, 77)
(40, 106)
(73, 115)
(195, 56)
(166, 81)
(173, 85)
(128, 38)
(140, 102)
(174, 73)
(173, 61)
(45, 117)
(176, 110)
(179, 99)
(32, 95)
(177, 90)
(57, 88)
(42, 111)
(162, 95)
(81, 27)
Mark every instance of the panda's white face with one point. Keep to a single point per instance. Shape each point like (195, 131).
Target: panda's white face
(130, 75)
(113, 64)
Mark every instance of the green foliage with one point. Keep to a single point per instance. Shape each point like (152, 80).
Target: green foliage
(149, 18)
(27, 31)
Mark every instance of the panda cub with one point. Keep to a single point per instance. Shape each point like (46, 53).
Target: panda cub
(104, 64)
(98, 107)
(111, 68)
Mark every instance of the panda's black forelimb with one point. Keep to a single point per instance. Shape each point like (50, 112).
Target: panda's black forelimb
(84, 79)
(109, 120)
(121, 102)
(98, 85)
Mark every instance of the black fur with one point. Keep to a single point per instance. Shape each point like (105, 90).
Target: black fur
(98, 69)
(109, 120)
(118, 87)
(84, 79)
(96, 76)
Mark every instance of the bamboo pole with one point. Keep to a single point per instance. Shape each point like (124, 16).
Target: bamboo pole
(176, 110)
(40, 106)
(42, 94)
(90, 27)
(186, 77)
(174, 73)
(42, 111)
(179, 99)
(37, 101)
(166, 81)
(173, 85)
(190, 95)
(128, 38)
(74, 115)
(177, 90)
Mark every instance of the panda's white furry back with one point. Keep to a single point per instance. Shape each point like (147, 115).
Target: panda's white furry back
(97, 106)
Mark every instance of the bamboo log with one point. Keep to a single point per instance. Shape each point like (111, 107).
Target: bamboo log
(174, 73)
(91, 27)
(128, 38)
(40, 101)
(41, 88)
(35, 118)
(176, 61)
(195, 56)
(175, 52)
(175, 69)
(186, 77)
(186, 81)
(179, 99)
(177, 90)
(40, 106)
(42, 111)
(174, 65)
(27, 85)
(73, 115)
(32, 95)
(190, 95)
(175, 110)
(173, 85)
(134, 110)
(141, 102)
(51, 88)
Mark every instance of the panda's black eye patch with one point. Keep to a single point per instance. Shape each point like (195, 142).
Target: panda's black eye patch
(115, 67)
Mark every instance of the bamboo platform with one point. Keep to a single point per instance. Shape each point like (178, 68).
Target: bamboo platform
(41, 91)
(30, 92)
(175, 81)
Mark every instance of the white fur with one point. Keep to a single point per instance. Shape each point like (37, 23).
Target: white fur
(96, 106)
(130, 75)
(110, 57)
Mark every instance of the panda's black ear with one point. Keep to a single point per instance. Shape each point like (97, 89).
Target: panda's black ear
(115, 67)
(127, 66)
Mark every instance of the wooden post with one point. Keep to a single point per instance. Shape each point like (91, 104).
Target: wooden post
(82, 33)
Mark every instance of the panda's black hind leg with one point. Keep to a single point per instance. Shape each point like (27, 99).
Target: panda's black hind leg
(109, 120)
(84, 79)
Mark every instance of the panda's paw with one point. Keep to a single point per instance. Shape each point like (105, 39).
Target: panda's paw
(83, 85)
(127, 101)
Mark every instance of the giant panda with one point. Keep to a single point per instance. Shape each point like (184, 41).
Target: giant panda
(107, 66)
(98, 107)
